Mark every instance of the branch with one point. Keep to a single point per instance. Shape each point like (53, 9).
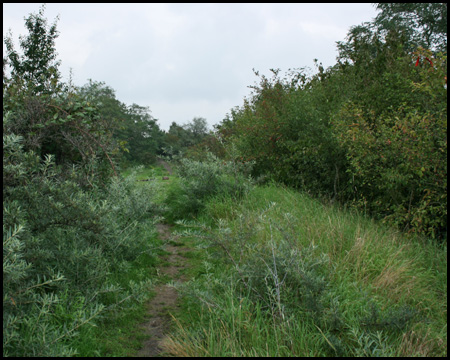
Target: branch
(95, 140)
(86, 133)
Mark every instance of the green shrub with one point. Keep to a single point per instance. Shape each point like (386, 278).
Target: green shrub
(201, 180)
(398, 166)
(61, 243)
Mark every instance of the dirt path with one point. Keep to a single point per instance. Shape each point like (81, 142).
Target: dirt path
(166, 297)
(165, 165)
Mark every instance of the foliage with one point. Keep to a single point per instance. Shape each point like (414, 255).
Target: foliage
(61, 243)
(37, 68)
(135, 131)
(61, 123)
(210, 143)
(197, 129)
(369, 131)
(398, 168)
(397, 158)
(74, 124)
(180, 139)
(425, 23)
(287, 135)
(200, 180)
(144, 137)
(69, 226)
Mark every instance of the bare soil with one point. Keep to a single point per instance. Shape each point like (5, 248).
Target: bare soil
(165, 300)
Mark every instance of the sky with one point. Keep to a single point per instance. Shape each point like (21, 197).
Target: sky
(189, 60)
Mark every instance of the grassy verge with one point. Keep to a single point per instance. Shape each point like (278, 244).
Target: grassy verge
(281, 274)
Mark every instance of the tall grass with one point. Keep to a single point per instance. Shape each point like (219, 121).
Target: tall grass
(285, 275)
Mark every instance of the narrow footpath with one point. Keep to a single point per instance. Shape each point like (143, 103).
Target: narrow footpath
(165, 300)
(165, 165)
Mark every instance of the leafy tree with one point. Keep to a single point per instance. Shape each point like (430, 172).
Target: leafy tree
(135, 131)
(369, 130)
(175, 140)
(143, 135)
(392, 124)
(52, 117)
(284, 128)
(209, 144)
(424, 23)
(179, 138)
(37, 68)
(198, 128)
(377, 57)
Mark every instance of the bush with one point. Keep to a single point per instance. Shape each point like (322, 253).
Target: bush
(60, 245)
(200, 180)
(284, 128)
(398, 167)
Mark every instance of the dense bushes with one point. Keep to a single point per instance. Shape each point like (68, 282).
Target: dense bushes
(287, 134)
(397, 152)
(370, 131)
(71, 225)
(200, 180)
(60, 245)
(398, 168)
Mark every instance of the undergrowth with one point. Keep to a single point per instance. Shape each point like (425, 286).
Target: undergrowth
(200, 180)
(284, 275)
(68, 255)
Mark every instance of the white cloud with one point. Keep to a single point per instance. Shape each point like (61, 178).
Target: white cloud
(163, 23)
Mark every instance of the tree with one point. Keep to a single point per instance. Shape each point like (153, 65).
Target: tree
(198, 128)
(392, 124)
(143, 134)
(424, 23)
(370, 130)
(135, 131)
(179, 138)
(52, 117)
(37, 67)
(68, 225)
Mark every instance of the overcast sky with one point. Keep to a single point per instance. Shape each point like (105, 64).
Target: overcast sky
(189, 60)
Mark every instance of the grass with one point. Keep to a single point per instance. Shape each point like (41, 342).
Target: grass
(282, 274)
(146, 172)
(153, 172)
